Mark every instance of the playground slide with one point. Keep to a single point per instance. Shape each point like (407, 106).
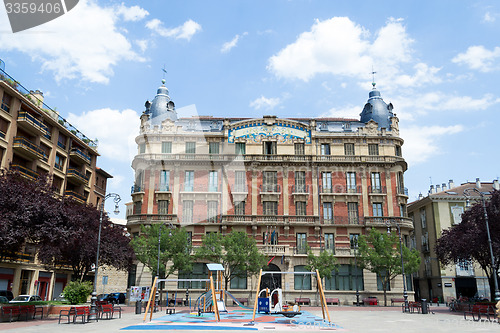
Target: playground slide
(236, 301)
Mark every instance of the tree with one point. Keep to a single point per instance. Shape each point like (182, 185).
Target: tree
(325, 263)
(73, 241)
(175, 247)
(236, 251)
(379, 252)
(469, 240)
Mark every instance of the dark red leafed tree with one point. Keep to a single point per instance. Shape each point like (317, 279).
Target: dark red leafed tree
(469, 241)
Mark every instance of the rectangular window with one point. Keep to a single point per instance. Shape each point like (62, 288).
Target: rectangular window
(187, 211)
(270, 208)
(190, 147)
(270, 181)
(164, 180)
(326, 179)
(330, 242)
(352, 212)
(189, 181)
(325, 149)
(213, 148)
(327, 212)
(137, 207)
(240, 148)
(59, 164)
(373, 149)
(376, 184)
(239, 208)
(380, 284)
(402, 210)
(349, 149)
(301, 282)
(166, 147)
(397, 151)
(377, 209)
(163, 207)
(6, 100)
(239, 281)
(301, 243)
(199, 271)
(300, 182)
(61, 141)
(351, 182)
(400, 183)
(4, 126)
(240, 181)
(269, 148)
(142, 148)
(299, 149)
(212, 211)
(213, 184)
(423, 218)
(353, 240)
(300, 208)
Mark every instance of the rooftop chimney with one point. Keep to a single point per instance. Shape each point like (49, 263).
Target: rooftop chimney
(438, 188)
(431, 190)
(496, 186)
(443, 186)
(420, 196)
(450, 184)
(38, 100)
(478, 183)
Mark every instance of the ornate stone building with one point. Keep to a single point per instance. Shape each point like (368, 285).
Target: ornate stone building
(290, 183)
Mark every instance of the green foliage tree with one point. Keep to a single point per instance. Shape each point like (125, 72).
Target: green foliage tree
(175, 247)
(379, 252)
(77, 292)
(236, 251)
(325, 263)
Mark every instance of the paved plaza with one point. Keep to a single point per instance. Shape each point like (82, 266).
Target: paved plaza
(345, 319)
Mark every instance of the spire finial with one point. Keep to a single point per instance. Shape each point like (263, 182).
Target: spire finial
(164, 72)
(373, 77)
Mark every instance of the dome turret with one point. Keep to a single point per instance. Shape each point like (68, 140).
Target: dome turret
(377, 110)
(162, 107)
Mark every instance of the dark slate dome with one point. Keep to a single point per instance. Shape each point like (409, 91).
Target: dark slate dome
(377, 110)
(162, 107)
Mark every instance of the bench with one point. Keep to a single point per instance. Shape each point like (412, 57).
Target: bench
(397, 300)
(106, 309)
(414, 306)
(241, 300)
(304, 301)
(479, 310)
(75, 312)
(332, 301)
(370, 301)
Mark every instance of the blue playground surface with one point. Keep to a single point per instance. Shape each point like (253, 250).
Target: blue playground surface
(236, 319)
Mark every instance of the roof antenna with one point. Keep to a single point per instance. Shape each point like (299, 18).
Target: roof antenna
(164, 72)
(373, 77)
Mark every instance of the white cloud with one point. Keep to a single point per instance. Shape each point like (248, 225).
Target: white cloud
(345, 112)
(85, 43)
(341, 47)
(143, 44)
(422, 142)
(185, 31)
(489, 18)
(134, 13)
(226, 47)
(116, 131)
(479, 58)
(265, 103)
(423, 75)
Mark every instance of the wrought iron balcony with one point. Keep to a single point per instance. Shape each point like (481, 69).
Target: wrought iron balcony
(28, 149)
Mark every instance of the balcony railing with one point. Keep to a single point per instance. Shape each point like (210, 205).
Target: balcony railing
(27, 117)
(152, 218)
(343, 220)
(239, 188)
(2, 134)
(34, 149)
(270, 188)
(28, 173)
(200, 188)
(162, 188)
(384, 220)
(77, 152)
(300, 189)
(340, 189)
(377, 189)
(76, 196)
(136, 189)
(75, 173)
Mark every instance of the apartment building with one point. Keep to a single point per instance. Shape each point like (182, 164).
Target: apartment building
(37, 141)
(290, 183)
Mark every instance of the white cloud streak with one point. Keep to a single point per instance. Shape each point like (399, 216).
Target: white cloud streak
(185, 31)
(226, 47)
(265, 103)
(479, 58)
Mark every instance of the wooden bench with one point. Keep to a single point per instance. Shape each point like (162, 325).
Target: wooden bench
(332, 301)
(75, 312)
(414, 306)
(397, 300)
(479, 310)
(370, 301)
(106, 309)
(241, 300)
(303, 301)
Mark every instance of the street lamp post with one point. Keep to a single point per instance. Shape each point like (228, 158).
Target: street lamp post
(405, 293)
(483, 202)
(93, 299)
(356, 265)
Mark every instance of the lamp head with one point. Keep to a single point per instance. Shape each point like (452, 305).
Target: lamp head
(117, 209)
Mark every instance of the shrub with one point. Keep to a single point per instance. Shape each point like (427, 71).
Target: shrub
(78, 292)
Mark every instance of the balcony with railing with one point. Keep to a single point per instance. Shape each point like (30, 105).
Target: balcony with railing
(163, 191)
(374, 190)
(383, 221)
(340, 190)
(25, 172)
(274, 250)
(79, 156)
(239, 192)
(343, 220)
(75, 196)
(28, 149)
(200, 191)
(76, 176)
(2, 134)
(137, 192)
(152, 218)
(270, 192)
(29, 123)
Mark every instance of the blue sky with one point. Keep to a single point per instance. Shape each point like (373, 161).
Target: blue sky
(436, 61)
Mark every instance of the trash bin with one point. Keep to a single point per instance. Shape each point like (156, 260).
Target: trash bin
(138, 307)
(424, 306)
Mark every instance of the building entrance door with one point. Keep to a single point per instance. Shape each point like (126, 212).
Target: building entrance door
(465, 286)
(271, 281)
